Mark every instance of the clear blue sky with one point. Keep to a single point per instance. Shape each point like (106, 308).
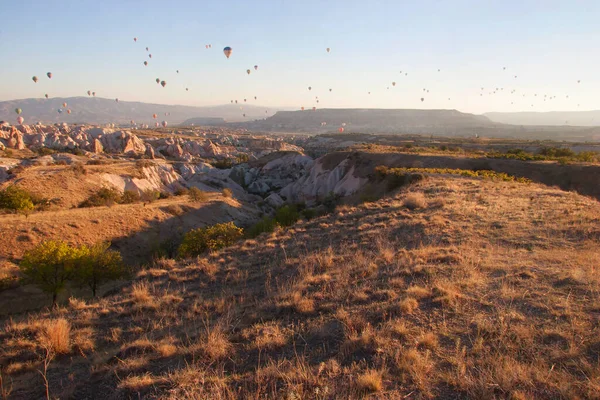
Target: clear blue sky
(88, 45)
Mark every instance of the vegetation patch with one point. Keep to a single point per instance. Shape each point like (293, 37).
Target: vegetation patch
(211, 238)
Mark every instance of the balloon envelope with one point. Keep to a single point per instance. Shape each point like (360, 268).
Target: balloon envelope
(157, 80)
(46, 95)
(49, 74)
(248, 71)
(341, 130)
(163, 83)
(256, 67)
(154, 116)
(227, 51)
(18, 110)
(68, 111)
(20, 120)
(89, 92)
(35, 79)
(164, 124)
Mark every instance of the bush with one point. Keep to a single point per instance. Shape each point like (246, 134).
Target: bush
(130, 196)
(164, 195)
(309, 213)
(105, 196)
(181, 191)
(197, 195)
(44, 151)
(211, 238)
(265, 225)
(78, 169)
(287, 215)
(16, 199)
(97, 264)
(150, 196)
(225, 163)
(50, 265)
(227, 193)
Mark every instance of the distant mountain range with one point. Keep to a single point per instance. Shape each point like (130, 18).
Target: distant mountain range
(96, 110)
(560, 118)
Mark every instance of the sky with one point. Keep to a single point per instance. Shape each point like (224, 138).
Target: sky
(549, 45)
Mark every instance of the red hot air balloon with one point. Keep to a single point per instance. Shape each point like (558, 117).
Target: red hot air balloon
(341, 130)
(49, 75)
(154, 116)
(135, 39)
(69, 111)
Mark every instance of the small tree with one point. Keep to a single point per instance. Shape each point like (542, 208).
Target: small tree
(215, 237)
(16, 199)
(150, 196)
(97, 265)
(50, 265)
(197, 194)
(287, 215)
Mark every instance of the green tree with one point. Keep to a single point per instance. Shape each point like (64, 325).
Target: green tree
(15, 198)
(197, 195)
(50, 265)
(214, 237)
(287, 215)
(97, 264)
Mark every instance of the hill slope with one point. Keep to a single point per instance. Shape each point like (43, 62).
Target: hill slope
(560, 118)
(96, 110)
(454, 288)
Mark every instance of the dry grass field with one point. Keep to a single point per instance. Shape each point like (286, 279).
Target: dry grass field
(450, 288)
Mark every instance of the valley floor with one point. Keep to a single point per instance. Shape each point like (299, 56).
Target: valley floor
(451, 288)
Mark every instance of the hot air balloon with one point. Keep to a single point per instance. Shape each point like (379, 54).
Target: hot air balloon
(117, 100)
(49, 75)
(177, 71)
(65, 105)
(69, 111)
(163, 83)
(256, 67)
(210, 46)
(94, 94)
(146, 49)
(227, 51)
(328, 49)
(393, 83)
(35, 79)
(150, 55)
(20, 120)
(146, 63)
(244, 115)
(330, 89)
(248, 71)
(89, 92)
(18, 110)
(341, 130)
(310, 88)
(343, 124)
(231, 101)
(438, 70)
(254, 97)
(579, 81)
(369, 92)
(206, 46)
(46, 95)
(164, 124)
(422, 99)
(60, 110)
(186, 89)
(244, 100)
(157, 124)
(135, 39)
(314, 108)
(236, 102)
(302, 108)
(154, 116)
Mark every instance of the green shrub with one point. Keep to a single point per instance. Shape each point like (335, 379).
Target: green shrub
(225, 163)
(105, 196)
(211, 238)
(227, 193)
(181, 191)
(197, 195)
(16, 199)
(130, 196)
(97, 264)
(50, 265)
(265, 225)
(287, 215)
(309, 213)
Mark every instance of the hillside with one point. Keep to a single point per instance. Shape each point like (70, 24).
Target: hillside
(451, 288)
(96, 110)
(559, 118)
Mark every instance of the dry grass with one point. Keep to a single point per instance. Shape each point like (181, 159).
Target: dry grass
(493, 295)
(55, 336)
(414, 201)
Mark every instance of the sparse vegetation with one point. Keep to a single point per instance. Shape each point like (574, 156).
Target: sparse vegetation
(415, 174)
(98, 264)
(15, 199)
(227, 193)
(130, 196)
(197, 195)
(211, 238)
(105, 196)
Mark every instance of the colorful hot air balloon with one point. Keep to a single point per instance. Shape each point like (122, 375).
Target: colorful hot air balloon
(154, 116)
(164, 124)
(94, 94)
(20, 120)
(163, 83)
(256, 67)
(46, 95)
(49, 75)
(69, 111)
(341, 130)
(35, 79)
(302, 108)
(248, 71)
(157, 124)
(328, 49)
(146, 49)
(206, 46)
(18, 110)
(135, 39)
(89, 92)
(314, 108)
(146, 63)
(157, 80)
(227, 51)
(149, 55)
(65, 105)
